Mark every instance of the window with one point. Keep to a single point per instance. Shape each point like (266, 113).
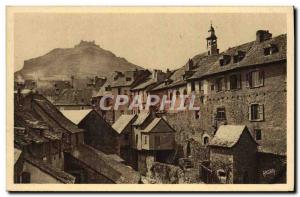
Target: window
(224, 60)
(145, 139)
(219, 84)
(255, 79)
(128, 79)
(221, 114)
(206, 140)
(256, 112)
(238, 56)
(197, 114)
(271, 49)
(257, 134)
(157, 141)
(212, 87)
(193, 86)
(235, 82)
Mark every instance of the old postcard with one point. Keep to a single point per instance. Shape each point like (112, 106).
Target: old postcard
(150, 99)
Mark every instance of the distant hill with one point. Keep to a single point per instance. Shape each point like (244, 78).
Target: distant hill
(85, 59)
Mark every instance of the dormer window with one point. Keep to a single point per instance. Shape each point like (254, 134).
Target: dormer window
(270, 49)
(238, 56)
(224, 60)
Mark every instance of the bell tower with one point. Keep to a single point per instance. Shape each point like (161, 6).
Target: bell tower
(212, 47)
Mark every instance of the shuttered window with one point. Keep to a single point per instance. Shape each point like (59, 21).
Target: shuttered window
(255, 79)
(235, 82)
(256, 112)
(219, 84)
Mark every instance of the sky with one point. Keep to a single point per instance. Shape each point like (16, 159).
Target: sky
(150, 40)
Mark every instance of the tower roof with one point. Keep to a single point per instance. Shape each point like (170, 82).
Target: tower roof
(212, 34)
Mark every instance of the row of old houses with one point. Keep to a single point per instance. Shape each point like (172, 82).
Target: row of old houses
(238, 134)
(244, 85)
(50, 148)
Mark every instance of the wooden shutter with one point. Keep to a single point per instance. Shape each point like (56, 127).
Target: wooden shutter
(261, 77)
(261, 112)
(249, 112)
(226, 83)
(248, 80)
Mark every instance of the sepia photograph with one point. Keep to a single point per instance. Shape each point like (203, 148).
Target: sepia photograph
(170, 98)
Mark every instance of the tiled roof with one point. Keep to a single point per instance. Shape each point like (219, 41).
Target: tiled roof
(228, 135)
(176, 78)
(121, 80)
(141, 117)
(17, 154)
(145, 84)
(105, 165)
(52, 171)
(75, 97)
(154, 123)
(122, 122)
(75, 115)
(53, 114)
(254, 55)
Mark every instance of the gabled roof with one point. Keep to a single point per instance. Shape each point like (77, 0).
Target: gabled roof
(17, 154)
(105, 165)
(122, 122)
(200, 61)
(52, 171)
(148, 82)
(53, 115)
(228, 135)
(75, 115)
(141, 117)
(75, 97)
(254, 55)
(154, 123)
(120, 81)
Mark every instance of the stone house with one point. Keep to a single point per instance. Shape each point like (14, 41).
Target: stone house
(123, 127)
(53, 150)
(155, 142)
(240, 88)
(99, 134)
(142, 89)
(233, 155)
(236, 86)
(118, 83)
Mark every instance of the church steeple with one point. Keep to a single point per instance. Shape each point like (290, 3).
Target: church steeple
(212, 47)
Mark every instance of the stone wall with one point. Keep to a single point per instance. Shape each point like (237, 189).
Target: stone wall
(38, 176)
(165, 173)
(271, 168)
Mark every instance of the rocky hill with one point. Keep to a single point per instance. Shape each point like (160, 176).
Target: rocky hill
(85, 59)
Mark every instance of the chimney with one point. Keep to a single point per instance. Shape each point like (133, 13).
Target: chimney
(190, 65)
(72, 81)
(263, 35)
(158, 75)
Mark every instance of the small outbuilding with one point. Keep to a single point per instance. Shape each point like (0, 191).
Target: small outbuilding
(233, 155)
